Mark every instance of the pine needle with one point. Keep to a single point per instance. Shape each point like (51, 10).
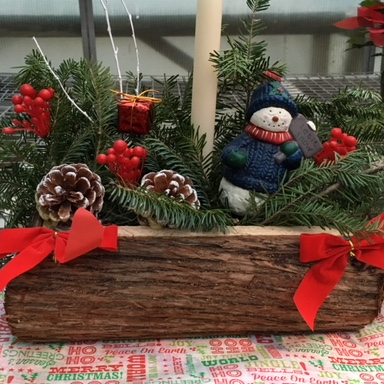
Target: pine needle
(170, 212)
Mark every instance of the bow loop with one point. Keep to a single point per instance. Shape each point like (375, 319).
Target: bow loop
(16, 239)
(86, 234)
(326, 246)
(35, 244)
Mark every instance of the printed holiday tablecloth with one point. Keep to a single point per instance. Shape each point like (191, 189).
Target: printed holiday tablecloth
(345, 358)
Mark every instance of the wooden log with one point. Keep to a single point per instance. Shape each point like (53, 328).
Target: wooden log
(170, 284)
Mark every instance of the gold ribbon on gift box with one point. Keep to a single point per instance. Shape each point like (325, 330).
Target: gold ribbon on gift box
(127, 98)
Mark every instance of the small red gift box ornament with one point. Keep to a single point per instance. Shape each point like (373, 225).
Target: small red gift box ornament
(136, 113)
(340, 143)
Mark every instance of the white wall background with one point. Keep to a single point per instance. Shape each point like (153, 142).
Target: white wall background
(304, 53)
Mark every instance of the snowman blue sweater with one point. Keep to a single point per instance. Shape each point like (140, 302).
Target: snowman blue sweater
(261, 172)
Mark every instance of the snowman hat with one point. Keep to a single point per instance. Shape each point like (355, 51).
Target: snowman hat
(271, 94)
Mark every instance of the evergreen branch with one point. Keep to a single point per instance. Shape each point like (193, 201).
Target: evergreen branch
(337, 186)
(290, 199)
(241, 67)
(378, 168)
(309, 197)
(320, 214)
(174, 110)
(359, 112)
(182, 155)
(342, 195)
(17, 190)
(258, 5)
(327, 191)
(170, 212)
(91, 87)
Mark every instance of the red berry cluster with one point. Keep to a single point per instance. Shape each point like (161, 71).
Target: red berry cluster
(126, 163)
(339, 143)
(34, 109)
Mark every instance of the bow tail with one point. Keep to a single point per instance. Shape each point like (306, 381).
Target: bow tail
(317, 285)
(26, 260)
(110, 239)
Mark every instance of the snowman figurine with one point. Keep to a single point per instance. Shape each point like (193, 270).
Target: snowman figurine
(260, 158)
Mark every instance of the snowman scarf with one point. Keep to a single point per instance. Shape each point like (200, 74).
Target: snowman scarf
(277, 138)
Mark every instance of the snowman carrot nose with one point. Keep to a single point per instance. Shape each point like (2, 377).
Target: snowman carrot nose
(275, 119)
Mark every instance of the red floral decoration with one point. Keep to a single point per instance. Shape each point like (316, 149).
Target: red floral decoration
(126, 163)
(340, 143)
(370, 15)
(34, 111)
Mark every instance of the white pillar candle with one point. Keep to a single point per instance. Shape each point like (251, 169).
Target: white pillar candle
(204, 90)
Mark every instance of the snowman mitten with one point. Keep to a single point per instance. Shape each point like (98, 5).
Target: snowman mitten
(236, 159)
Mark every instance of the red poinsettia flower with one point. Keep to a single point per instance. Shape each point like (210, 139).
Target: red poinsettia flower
(370, 15)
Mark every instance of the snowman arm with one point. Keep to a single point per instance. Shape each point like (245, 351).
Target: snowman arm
(240, 142)
(294, 161)
(235, 154)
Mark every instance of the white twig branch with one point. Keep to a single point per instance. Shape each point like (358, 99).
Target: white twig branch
(114, 47)
(136, 49)
(60, 83)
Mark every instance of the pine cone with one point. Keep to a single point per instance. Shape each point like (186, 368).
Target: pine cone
(66, 188)
(171, 184)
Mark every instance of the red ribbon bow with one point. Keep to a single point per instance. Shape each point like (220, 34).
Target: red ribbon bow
(333, 253)
(35, 244)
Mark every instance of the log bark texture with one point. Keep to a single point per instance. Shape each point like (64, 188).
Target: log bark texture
(170, 284)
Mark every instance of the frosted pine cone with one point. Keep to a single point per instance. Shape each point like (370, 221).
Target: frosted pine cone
(66, 188)
(171, 184)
